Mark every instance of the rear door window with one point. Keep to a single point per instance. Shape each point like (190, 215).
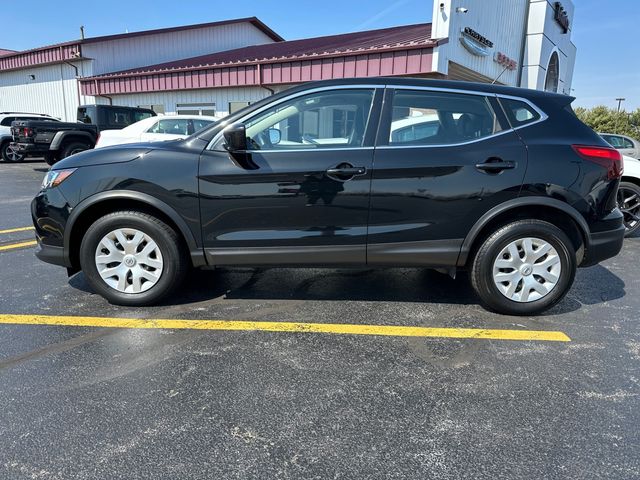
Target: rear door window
(6, 121)
(440, 118)
(176, 126)
(519, 113)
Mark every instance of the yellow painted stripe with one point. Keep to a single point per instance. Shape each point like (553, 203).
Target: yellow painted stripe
(14, 230)
(11, 246)
(335, 328)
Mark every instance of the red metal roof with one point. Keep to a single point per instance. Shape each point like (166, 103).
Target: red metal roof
(359, 42)
(62, 51)
(405, 50)
(4, 51)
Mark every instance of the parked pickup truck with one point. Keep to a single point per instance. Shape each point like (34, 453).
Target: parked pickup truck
(57, 140)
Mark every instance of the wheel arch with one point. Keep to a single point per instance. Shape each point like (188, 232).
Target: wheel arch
(554, 211)
(64, 137)
(96, 206)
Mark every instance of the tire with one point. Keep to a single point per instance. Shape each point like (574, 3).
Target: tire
(629, 203)
(73, 148)
(121, 289)
(530, 279)
(9, 154)
(50, 159)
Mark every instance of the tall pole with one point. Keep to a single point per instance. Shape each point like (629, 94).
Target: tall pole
(620, 100)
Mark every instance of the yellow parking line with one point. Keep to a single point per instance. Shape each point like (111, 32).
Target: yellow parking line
(14, 230)
(297, 327)
(11, 246)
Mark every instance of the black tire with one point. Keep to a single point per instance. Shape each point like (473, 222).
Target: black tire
(8, 155)
(72, 148)
(174, 257)
(50, 159)
(630, 208)
(482, 278)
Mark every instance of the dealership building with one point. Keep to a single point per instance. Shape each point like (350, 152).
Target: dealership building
(216, 68)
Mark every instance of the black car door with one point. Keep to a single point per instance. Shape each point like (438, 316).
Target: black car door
(299, 194)
(443, 159)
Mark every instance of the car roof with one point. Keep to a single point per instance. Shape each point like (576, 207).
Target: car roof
(188, 117)
(436, 83)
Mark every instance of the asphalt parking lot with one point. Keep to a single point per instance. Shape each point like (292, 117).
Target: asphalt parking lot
(322, 385)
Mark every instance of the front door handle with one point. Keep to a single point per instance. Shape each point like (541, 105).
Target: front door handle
(345, 171)
(495, 166)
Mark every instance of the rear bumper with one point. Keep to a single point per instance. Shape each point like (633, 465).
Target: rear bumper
(31, 148)
(604, 245)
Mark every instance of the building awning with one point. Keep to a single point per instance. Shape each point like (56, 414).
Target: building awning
(404, 50)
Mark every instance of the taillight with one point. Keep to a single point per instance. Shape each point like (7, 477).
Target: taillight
(610, 158)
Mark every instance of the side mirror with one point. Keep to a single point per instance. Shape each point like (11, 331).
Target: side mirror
(274, 136)
(235, 137)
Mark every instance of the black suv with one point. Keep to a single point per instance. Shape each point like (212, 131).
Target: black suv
(381, 172)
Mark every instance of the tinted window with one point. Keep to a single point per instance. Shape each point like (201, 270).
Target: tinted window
(199, 124)
(439, 118)
(176, 126)
(626, 143)
(519, 113)
(320, 120)
(613, 140)
(6, 122)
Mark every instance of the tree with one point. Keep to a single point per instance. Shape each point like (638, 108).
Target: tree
(609, 120)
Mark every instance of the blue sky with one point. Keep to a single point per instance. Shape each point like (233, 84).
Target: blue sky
(605, 32)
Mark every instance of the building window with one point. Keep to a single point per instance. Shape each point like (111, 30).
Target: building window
(155, 108)
(553, 74)
(196, 109)
(236, 106)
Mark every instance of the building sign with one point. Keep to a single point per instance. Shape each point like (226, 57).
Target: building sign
(475, 43)
(505, 61)
(561, 17)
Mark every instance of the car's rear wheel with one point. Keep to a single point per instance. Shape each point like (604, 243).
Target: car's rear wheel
(132, 258)
(629, 203)
(524, 268)
(10, 154)
(50, 159)
(73, 148)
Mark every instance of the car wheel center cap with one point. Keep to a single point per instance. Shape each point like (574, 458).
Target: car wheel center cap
(129, 260)
(526, 270)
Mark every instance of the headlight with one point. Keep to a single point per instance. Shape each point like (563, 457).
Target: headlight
(53, 178)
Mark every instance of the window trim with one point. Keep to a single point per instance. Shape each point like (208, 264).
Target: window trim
(386, 88)
(374, 87)
(382, 141)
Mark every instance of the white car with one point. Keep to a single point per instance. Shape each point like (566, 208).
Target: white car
(7, 152)
(629, 195)
(155, 129)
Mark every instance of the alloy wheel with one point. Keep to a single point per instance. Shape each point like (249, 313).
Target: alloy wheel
(129, 260)
(13, 155)
(629, 204)
(527, 269)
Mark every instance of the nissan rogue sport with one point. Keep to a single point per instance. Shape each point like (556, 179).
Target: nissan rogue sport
(382, 172)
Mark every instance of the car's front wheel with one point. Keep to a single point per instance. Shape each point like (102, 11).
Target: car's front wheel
(524, 268)
(132, 258)
(10, 154)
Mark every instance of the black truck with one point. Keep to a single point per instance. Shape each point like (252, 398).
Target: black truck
(57, 140)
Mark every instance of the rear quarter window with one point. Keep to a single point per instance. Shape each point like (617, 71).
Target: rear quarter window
(519, 113)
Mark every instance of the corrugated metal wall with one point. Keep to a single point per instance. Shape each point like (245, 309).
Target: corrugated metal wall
(54, 91)
(122, 54)
(221, 97)
(500, 21)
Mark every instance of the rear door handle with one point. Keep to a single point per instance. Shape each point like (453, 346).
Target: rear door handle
(495, 166)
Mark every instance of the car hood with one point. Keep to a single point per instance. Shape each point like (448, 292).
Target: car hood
(107, 155)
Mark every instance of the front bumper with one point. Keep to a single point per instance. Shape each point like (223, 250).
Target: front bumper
(51, 254)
